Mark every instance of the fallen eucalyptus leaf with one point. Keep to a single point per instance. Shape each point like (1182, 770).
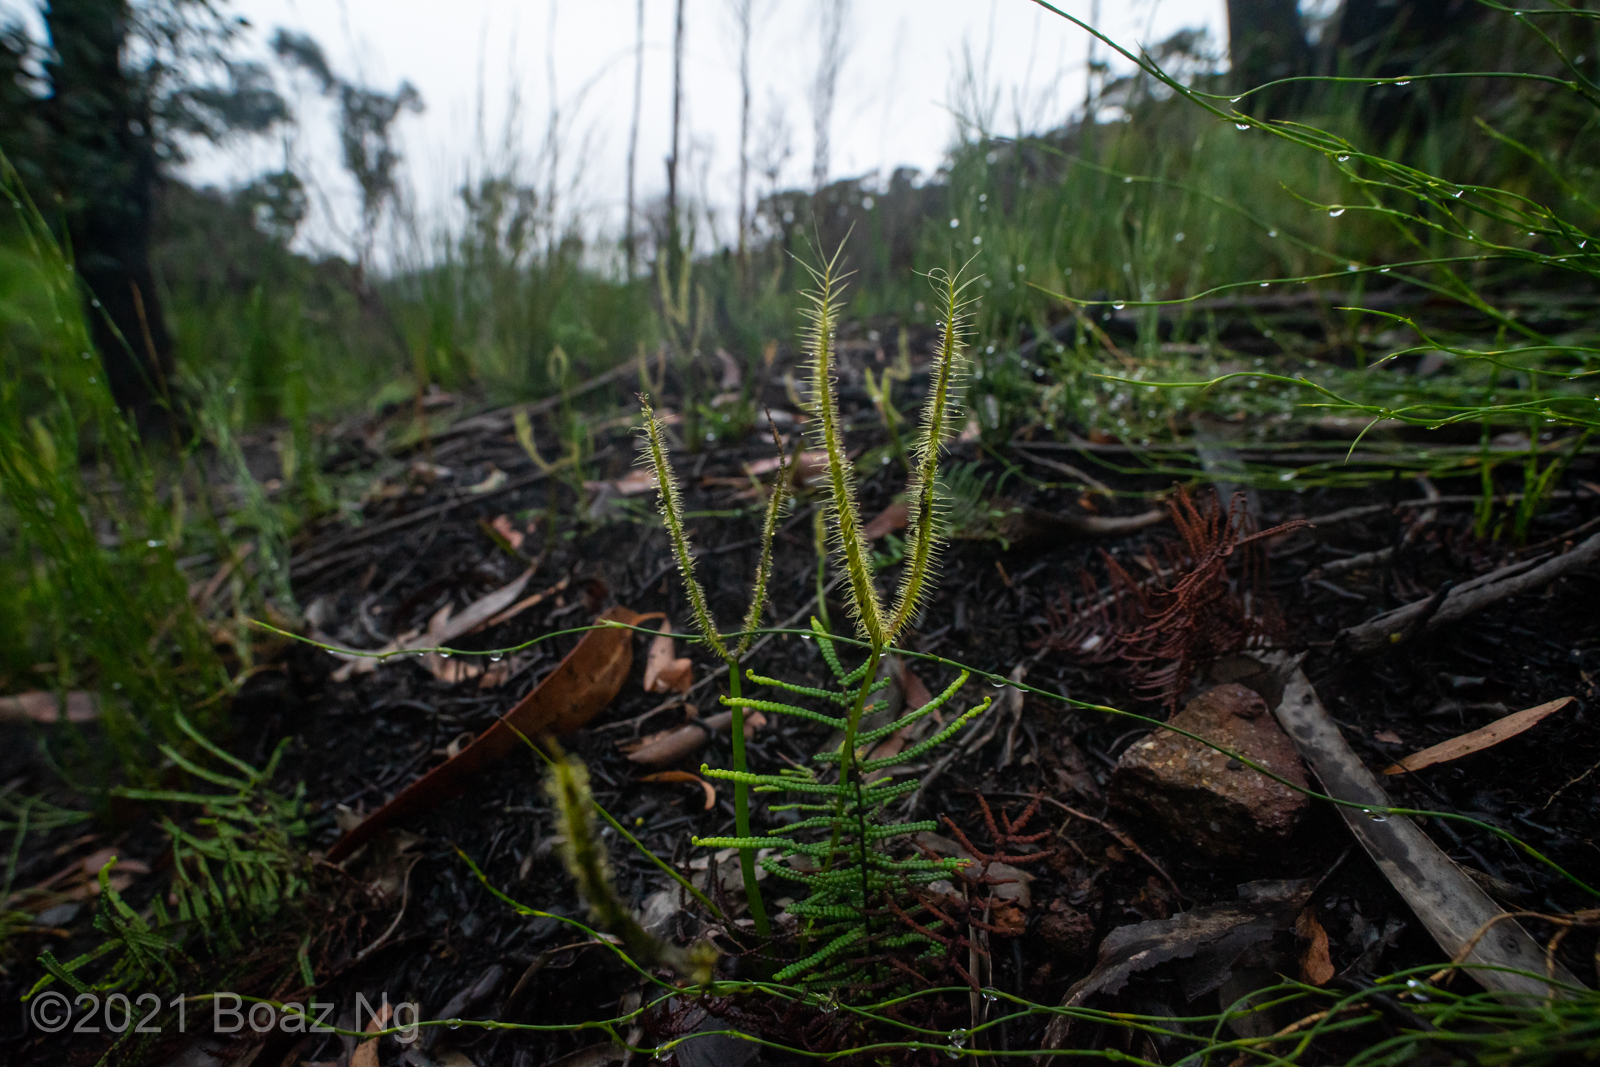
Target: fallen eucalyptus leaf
(580, 686)
(685, 776)
(1480, 739)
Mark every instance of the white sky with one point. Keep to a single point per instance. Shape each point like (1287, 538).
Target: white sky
(468, 58)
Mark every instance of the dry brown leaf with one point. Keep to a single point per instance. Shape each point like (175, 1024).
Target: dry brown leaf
(893, 517)
(499, 673)
(502, 526)
(523, 605)
(807, 465)
(442, 628)
(449, 669)
(366, 1054)
(916, 693)
(664, 672)
(678, 743)
(636, 481)
(1316, 966)
(685, 776)
(1480, 739)
(80, 880)
(42, 706)
(579, 687)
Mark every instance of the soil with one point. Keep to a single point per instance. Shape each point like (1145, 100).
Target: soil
(356, 743)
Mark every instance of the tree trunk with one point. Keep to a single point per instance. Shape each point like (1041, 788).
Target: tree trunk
(104, 167)
(742, 15)
(1398, 38)
(1266, 42)
(672, 160)
(631, 239)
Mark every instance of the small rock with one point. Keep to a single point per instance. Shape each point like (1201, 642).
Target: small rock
(1068, 932)
(1204, 798)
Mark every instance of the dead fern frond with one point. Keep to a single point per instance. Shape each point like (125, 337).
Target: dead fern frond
(1206, 597)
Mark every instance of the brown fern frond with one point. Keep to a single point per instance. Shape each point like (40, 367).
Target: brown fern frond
(1207, 598)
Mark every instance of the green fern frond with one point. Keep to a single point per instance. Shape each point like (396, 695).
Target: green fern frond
(906, 755)
(927, 709)
(782, 709)
(834, 696)
(924, 532)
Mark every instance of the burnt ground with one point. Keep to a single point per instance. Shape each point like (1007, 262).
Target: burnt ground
(356, 743)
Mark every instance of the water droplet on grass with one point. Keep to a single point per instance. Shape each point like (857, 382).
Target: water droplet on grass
(1118, 305)
(1334, 213)
(1241, 125)
(1344, 159)
(958, 1041)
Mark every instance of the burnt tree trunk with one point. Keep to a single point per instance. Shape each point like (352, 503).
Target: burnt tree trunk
(1399, 38)
(1266, 42)
(105, 171)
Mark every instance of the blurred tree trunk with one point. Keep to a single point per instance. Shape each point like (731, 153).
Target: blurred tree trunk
(104, 167)
(1397, 38)
(1266, 41)
(631, 240)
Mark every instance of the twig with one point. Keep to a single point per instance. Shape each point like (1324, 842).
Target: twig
(307, 561)
(1122, 839)
(1069, 470)
(1569, 785)
(1451, 905)
(501, 420)
(1395, 627)
(1562, 538)
(405, 896)
(1352, 563)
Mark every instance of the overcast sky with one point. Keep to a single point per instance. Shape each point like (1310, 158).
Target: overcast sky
(471, 58)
